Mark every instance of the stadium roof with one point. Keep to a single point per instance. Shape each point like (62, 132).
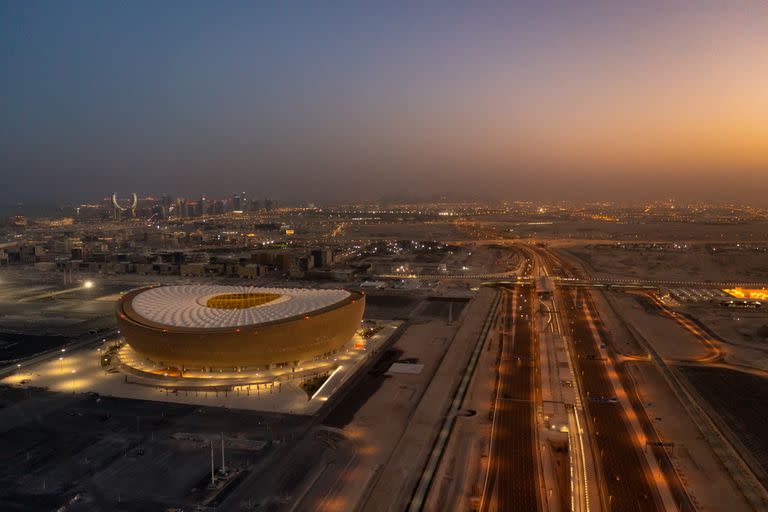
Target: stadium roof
(214, 306)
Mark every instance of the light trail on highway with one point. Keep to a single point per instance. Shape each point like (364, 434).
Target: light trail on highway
(512, 480)
(624, 484)
(579, 474)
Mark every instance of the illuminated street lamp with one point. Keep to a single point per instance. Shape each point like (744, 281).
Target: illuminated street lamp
(88, 284)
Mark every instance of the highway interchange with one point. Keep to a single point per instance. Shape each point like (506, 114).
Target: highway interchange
(609, 460)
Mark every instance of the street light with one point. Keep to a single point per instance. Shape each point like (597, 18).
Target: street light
(88, 284)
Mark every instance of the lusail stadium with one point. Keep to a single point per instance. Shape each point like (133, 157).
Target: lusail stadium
(235, 328)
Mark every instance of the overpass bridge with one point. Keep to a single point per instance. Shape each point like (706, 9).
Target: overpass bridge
(512, 278)
(619, 283)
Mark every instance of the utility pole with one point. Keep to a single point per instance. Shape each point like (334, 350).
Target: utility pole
(213, 476)
(223, 467)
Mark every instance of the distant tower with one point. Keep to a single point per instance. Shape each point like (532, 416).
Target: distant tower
(120, 209)
(158, 211)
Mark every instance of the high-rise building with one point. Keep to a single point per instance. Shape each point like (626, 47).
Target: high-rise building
(158, 211)
(239, 202)
(180, 207)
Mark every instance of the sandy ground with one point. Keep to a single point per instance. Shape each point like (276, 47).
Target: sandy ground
(380, 422)
(653, 231)
(701, 472)
(694, 264)
(737, 326)
(460, 474)
(394, 426)
(669, 339)
(402, 470)
(621, 338)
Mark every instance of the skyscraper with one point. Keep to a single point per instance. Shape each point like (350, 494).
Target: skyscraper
(239, 202)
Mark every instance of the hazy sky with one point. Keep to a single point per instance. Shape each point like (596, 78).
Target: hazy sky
(539, 99)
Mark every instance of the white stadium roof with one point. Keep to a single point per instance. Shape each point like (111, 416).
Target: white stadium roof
(185, 306)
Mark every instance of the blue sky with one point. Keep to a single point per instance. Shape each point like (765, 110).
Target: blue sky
(339, 101)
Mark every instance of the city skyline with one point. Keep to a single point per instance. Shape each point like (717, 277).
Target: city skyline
(533, 101)
(324, 257)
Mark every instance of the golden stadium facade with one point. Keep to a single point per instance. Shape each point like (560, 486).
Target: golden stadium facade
(216, 327)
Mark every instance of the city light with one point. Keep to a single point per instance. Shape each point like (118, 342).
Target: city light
(746, 293)
(489, 259)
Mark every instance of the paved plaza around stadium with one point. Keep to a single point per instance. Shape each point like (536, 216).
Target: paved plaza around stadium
(81, 371)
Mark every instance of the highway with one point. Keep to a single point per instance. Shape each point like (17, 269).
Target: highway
(626, 482)
(512, 481)
(677, 489)
(625, 473)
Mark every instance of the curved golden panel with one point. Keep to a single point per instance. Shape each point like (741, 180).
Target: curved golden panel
(290, 340)
(240, 300)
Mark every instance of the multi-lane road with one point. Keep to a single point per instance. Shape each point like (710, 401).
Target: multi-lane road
(616, 470)
(625, 472)
(512, 480)
(620, 449)
(513, 475)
